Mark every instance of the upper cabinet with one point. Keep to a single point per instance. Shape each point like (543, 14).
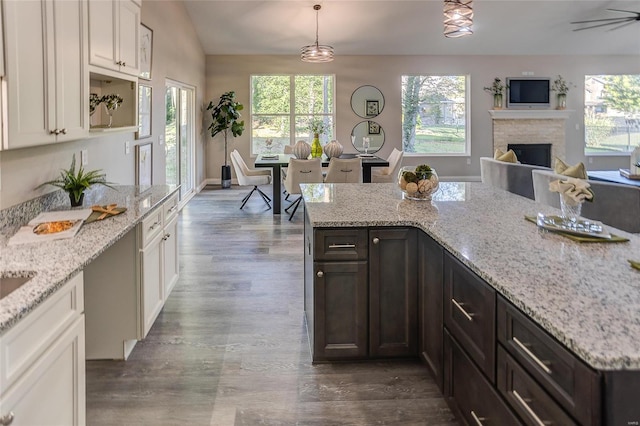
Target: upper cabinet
(114, 27)
(46, 73)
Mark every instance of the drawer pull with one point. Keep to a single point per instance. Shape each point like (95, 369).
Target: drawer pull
(7, 419)
(376, 240)
(541, 364)
(528, 409)
(152, 227)
(477, 419)
(465, 313)
(320, 274)
(173, 209)
(341, 246)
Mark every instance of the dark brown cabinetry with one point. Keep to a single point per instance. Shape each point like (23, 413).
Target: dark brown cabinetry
(393, 291)
(430, 269)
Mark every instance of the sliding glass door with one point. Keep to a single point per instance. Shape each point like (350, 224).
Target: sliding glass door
(179, 137)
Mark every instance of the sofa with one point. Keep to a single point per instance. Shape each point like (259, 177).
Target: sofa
(614, 204)
(512, 177)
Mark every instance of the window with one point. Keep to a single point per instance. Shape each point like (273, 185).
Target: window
(282, 107)
(611, 114)
(434, 118)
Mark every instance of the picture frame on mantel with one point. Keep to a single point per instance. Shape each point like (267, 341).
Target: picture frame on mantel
(146, 51)
(144, 164)
(144, 111)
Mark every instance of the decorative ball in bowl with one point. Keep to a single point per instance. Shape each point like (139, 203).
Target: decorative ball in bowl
(418, 183)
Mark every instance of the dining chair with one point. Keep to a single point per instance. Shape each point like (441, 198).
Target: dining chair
(248, 177)
(301, 171)
(389, 173)
(344, 170)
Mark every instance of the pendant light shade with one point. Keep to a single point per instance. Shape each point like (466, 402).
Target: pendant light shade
(458, 18)
(316, 52)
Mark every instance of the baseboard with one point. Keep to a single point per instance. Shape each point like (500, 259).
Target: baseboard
(214, 181)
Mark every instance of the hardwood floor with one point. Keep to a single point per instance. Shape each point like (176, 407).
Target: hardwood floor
(230, 346)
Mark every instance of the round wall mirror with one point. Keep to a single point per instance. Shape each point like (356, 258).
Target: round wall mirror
(367, 101)
(367, 133)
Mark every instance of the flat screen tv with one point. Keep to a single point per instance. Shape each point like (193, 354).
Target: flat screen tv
(528, 93)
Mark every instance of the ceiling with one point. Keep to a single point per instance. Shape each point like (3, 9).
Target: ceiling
(361, 27)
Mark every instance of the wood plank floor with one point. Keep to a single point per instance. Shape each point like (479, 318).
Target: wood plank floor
(230, 346)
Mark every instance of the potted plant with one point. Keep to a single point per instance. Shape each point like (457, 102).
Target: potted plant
(75, 183)
(562, 87)
(496, 90)
(317, 127)
(225, 117)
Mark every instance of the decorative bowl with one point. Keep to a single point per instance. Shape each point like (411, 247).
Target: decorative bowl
(419, 182)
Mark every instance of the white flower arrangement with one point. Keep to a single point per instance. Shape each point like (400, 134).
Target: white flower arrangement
(496, 87)
(576, 189)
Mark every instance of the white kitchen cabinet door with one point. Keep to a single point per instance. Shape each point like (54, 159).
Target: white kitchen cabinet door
(151, 279)
(170, 256)
(52, 391)
(46, 75)
(129, 37)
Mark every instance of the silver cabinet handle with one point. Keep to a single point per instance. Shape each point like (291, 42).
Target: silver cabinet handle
(541, 364)
(376, 240)
(119, 63)
(336, 246)
(465, 313)
(124, 64)
(166, 237)
(320, 274)
(54, 132)
(152, 227)
(528, 409)
(173, 209)
(477, 419)
(7, 419)
(63, 131)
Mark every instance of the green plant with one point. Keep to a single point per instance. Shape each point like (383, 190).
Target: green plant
(496, 87)
(560, 85)
(75, 183)
(317, 126)
(225, 117)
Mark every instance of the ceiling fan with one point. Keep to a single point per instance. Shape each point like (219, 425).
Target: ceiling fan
(621, 21)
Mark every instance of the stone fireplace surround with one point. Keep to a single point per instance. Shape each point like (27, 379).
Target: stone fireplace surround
(530, 127)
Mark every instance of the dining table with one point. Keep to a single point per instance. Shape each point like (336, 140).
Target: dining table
(277, 161)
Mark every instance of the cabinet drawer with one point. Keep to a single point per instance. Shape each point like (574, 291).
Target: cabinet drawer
(474, 397)
(170, 208)
(469, 313)
(574, 385)
(340, 244)
(25, 343)
(526, 397)
(150, 227)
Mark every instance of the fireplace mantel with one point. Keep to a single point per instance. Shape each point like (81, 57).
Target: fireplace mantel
(530, 114)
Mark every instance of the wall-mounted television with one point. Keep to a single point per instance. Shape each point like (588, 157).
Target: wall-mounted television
(528, 93)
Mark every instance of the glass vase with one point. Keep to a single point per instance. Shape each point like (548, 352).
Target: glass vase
(497, 101)
(562, 101)
(316, 148)
(571, 208)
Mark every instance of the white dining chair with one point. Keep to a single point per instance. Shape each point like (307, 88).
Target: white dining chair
(344, 170)
(389, 173)
(301, 171)
(248, 177)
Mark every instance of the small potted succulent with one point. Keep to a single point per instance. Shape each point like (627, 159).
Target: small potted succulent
(75, 183)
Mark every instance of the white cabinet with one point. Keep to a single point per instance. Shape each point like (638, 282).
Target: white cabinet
(42, 367)
(46, 71)
(114, 27)
(170, 245)
(151, 265)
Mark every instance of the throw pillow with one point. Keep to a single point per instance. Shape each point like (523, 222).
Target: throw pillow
(507, 157)
(576, 171)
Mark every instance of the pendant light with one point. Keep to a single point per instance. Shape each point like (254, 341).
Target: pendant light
(458, 18)
(316, 52)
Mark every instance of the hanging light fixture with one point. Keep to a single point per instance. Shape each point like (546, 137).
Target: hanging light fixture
(316, 52)
(458, 18)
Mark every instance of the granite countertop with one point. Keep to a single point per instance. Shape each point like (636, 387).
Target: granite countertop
(584, 294)
(55, 262)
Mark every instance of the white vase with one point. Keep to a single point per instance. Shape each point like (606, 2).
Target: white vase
(302, 150)
(333, 149)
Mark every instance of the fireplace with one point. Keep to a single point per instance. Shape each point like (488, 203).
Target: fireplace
(537, 154)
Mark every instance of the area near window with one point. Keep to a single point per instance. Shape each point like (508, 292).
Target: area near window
(282, 106)
(434, 118)
(611, 114)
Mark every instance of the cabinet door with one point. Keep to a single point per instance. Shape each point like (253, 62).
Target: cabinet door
(128, 37)
(340, 310)
(430, 269)
(152, 286)
(393, 291)
(52, 391)
(103, 33)
(170, 256)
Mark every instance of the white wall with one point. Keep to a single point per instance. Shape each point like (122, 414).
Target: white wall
(226, 73)
(177, 54)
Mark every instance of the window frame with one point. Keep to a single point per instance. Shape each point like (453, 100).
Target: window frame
(467, 116)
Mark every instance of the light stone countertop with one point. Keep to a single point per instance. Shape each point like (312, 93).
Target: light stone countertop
(586, 295)
(55, 262)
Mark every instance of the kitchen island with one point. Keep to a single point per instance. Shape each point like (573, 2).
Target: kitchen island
(580, 301)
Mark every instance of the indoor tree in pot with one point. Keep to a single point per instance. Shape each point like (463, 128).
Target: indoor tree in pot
(225, 117)
(75, 183)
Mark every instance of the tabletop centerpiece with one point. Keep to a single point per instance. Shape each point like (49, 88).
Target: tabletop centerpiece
(496, 89)
(573, 192)
(317, 127)
(418, 183)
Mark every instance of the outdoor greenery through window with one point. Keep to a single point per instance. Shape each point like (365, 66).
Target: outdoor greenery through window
(283, 106)
(434, 119)
(611, 113)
